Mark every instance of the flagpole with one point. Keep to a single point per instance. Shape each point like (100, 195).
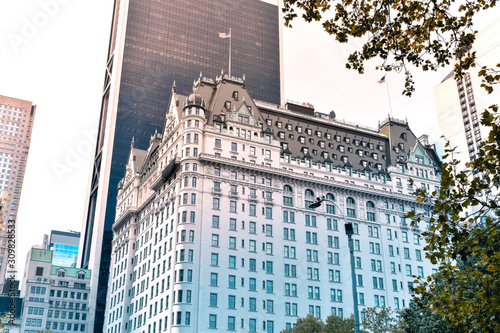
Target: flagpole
(388, 94)
(230, 39)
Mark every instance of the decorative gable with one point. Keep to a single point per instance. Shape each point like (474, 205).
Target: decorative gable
(243, 115)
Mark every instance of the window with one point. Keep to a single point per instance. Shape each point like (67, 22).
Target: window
(370, 216)
(408, 270)
(287, 201)
(213, 279)
(215, 259)
(351, 212)
(232, 242)
(332, 224)
(252, 210)
(311, 220)
(269, 213)
(418, 255)
(406, 252)
(311, 237)
(232, 281)
(232, 206)
(216, 203)
(212, 321)
(252, 284)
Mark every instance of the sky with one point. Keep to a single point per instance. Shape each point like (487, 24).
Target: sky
(53, 53)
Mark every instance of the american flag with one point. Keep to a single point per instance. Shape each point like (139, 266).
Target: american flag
(382, 80)
(226, 34)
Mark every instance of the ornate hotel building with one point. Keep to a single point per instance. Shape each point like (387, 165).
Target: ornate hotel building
(213, 230)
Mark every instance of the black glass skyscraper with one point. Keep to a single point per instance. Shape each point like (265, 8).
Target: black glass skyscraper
(153, 44)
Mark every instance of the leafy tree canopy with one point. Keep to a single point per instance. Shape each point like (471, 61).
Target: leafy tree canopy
(421, 320)
(424, 33)
(463, 239)
(380, 321)
(333, 324)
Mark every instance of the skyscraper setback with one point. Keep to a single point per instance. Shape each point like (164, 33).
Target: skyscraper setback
(153, 44)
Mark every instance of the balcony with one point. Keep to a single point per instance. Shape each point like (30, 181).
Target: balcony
(216, 191)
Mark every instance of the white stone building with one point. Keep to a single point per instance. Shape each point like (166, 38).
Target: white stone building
(213, 230)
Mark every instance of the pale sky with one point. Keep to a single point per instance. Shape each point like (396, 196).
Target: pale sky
(54, 55)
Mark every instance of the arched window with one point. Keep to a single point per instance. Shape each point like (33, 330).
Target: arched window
(330, 196)
(350, 201)
(288, 188)
(370, 204)
(310, 193)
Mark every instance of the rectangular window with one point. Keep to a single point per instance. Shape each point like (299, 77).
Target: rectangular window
(213, 279)
(216, 203)
(212, 323)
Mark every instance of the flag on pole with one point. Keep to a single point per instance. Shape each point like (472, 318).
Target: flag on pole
(226, 34)
(382, 80)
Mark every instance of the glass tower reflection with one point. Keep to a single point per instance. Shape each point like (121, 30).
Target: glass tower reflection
(159, 43)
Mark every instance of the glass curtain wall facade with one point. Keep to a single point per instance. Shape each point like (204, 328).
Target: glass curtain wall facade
(154, 44)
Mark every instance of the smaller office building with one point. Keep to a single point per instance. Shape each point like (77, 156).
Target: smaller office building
(56, 297)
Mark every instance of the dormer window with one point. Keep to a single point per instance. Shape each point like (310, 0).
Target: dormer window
(61, 273)
(330, 145)
(375, 156)
(269, 122)
(279, 124)
(347, 140)
(404, 136)
(337, 138)
(299, 129)
(318, 134)
(363, 144)
(309, 131)
(328, 136)
(321, 144)
(228, 105)
(81, 275)
(302, 139)
(281, 135)
(341, 148)
(289, 127)
(311, 141)
(356, 142)
(360, 152)
(235, 95)
(370, 145)
(380, 147)
(402, 146)
(305, 150)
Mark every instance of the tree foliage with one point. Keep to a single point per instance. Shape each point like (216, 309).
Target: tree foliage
(333, 324)
(424, 33)
(463, 239)
(380, 321)
(421, 320)
(309, 324)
